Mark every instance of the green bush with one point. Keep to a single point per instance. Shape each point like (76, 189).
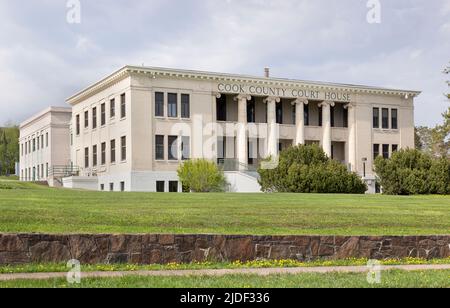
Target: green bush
(307, 169)
(202, 176)
(411, 172)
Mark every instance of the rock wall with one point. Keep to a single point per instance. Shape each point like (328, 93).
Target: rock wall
(163, 249)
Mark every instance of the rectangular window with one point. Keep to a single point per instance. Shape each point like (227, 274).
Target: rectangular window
(185, 106)
(160, 186)
(34, 145)
(394, 119)
(279, 113)
(394, 148)
(221, 106)
(86, 119)
(122, 186)
(173, 186)
(46, 170)
(94, 156)
(112, 108)
(172, 105)
(186, 148)
(159, 104)
(251, 111)
(173, 148)
(376, 151)
(123, 148)
(123, 106)
(37, 143)
(103, 115)
(94, 118)
(42, 141)
(102, 187)
(385, 151)
(86, 158)
(46, 140)
(103, 162)
(385, 120)
(77, 124)
(159, 147)
(113, 151)
(306, 109)
(111, 186)
(376, 118)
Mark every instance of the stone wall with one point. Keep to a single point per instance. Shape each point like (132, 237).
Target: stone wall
(163, 249)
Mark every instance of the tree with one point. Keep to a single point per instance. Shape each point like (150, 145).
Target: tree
(412, 172)
(447, 71)
(9, 149)
(307, 169)
(202, 176)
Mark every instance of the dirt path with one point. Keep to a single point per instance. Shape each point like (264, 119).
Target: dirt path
(259, 272)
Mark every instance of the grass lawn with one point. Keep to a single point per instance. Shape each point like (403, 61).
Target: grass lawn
(30, 208)
(390, 279)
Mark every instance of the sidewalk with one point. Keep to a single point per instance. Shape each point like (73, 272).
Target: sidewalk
(209, 272)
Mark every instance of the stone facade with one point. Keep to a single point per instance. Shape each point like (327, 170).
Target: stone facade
(163, 249)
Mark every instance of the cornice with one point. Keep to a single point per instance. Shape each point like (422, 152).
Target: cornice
(156, 72)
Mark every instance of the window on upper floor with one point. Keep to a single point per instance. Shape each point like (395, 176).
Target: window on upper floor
(103, 154)
(394, 148)
(123, 106)
(103, 114)
(113, 151)
(376, 118)
(385, 118)
(86, 119)
(376, 151)
(86, 157)
(94, 118)
(172, 105)
(159, 147)
(394, 118)
(94, 156)
(186, 148)
(123, 148)
(173, 147)
(112, 108)
(159, 104)
(386, 151)
(185, 106)
(77, 124)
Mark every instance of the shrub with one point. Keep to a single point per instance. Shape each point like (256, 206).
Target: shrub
(307, 169)
(411, 172)
(202, 176)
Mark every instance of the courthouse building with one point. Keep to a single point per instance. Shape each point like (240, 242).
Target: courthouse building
(132, 130)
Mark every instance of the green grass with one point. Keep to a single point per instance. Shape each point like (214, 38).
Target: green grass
(59, 268)
(390, 279)
(30, 208)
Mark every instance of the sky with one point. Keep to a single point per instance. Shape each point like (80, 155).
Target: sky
(44, 59)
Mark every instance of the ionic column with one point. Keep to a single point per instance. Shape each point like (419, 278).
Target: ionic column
(326, 117)
(300, 120)
(242, 142)
(351, 135)
(272, 139)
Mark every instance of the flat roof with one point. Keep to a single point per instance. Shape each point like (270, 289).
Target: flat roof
(44, 112)
(204, 75)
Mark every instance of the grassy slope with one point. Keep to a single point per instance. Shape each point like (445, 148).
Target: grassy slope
(392, 279)
(31, 208)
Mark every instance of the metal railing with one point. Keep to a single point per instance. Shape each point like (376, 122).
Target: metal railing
(63, 171)
(234, 165)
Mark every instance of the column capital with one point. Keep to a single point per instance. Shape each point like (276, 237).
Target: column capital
(350, 105)
(325, 103)
(299, 101)
(217, 94)
(272, 99)
(242, 97)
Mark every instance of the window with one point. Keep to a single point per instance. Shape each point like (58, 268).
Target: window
(103, 162)
(159, 104)
(376, 117)
(186, 148)
(103, 114)
(394, 119)
(77, 124)
(376, 151)
(42, 170)
(46, 170)
(42, 141)
(394, 148)
(279, 113)
(306, 110)
(123, 148)
(345, 117)
(122, 186)
(173, 186)
(94, 118)
(160, 186)
(251, 111)
(94, 156)
(86, 158)
(112, 108)
(185, 106)
(385, 119)
(159, 148)
(46, 140)
(385, 151)
(221, 105)
(320, 116)
(34, 145)
(86, 119)
(173, 147)
(21, 149)
(172, 103)
(111, 186)
(123, 106)
(37, 143)
(113, 151)
(102, 187)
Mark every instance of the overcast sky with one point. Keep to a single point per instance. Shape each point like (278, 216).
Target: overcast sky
(44, 59)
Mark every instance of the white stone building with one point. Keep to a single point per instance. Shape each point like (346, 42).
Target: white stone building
(132, 129)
